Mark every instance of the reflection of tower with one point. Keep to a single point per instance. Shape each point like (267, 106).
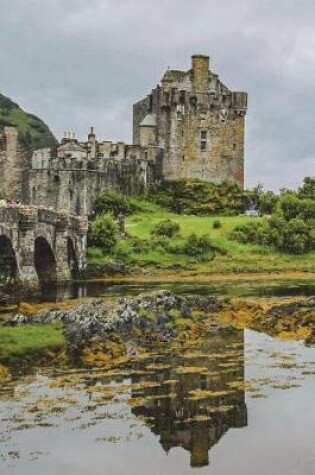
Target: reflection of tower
(193, 408)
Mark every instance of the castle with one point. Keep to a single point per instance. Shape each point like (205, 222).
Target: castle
(190, 126)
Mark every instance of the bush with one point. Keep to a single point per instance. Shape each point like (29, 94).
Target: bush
(293, 237)
(166, 228)
(110, 202)
(103, 232)
(198, 197)
(290, 205)
(217, 224)
(197, 245)
(296, 237)
(245, 233)
(267, 202)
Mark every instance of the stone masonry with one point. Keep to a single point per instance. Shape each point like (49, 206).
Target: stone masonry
(197, 122)
(42, 244)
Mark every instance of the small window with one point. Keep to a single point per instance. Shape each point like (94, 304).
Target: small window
(203, 140)
(234, 146)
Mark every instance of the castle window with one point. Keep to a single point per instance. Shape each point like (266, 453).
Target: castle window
(234, 146)
(203, 140)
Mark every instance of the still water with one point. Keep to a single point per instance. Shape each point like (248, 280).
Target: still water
(105, 288)
(235, 402)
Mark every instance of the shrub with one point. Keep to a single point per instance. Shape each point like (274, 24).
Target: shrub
(217, 224)
(245, 233)
(296, 237)
(197, 245)
(110, 202)
(103, 232)
(166, 228)
(290, 205)
(198, 197)
(267, 202)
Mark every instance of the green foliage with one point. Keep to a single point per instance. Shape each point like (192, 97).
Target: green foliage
(245, 233)
(33, 132)
(296, 237)
(307, 190)
(103, 232)
(95, 253)
(199, 197)
(293, 236)
(290, 205)
(166, 228)
(111, 202)
(217, 224)
(307, 209)
(267, 202)
(197, 245)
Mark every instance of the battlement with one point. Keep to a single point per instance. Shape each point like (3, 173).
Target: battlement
(30, 216)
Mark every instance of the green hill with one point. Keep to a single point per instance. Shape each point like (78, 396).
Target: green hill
(33, 132)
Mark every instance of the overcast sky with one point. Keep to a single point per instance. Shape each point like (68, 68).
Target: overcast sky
(77, 63)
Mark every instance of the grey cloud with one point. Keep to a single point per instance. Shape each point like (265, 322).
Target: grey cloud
(78, 63)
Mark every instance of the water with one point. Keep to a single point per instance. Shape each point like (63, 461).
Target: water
(99, 288)
(234, 402)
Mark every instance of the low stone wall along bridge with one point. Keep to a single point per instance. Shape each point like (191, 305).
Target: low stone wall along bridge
(40, 245)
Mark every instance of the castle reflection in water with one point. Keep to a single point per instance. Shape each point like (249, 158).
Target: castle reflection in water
(199, 395)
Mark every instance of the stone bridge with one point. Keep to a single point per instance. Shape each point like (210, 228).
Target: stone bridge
(40, 245)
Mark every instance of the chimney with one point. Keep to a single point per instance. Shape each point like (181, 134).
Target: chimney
(92, 143)
(200, 72)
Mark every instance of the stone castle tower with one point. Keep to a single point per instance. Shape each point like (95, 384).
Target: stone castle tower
(197, 122)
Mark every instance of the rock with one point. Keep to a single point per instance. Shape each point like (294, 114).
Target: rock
(150, 311)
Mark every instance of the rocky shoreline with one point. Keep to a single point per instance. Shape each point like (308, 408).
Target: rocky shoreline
(159, 314)
(103, 329)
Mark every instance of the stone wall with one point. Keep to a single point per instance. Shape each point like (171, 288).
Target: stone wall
(69, 179)
(14, 160)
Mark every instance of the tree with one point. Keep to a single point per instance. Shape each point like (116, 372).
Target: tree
(307, 190)
(290, 204)
(296, 237)
(103, 232)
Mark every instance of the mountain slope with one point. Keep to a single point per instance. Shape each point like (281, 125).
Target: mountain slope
(33, 132)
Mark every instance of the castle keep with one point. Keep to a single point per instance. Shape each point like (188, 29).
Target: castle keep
(197, 122)
(190, 126)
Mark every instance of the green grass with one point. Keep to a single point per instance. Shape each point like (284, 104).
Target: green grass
(238, 257)
(26, 340)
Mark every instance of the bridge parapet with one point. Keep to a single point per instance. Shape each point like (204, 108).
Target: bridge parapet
(9, 215)
(45, 215)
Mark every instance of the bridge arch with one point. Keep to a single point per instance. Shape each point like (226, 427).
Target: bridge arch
(8, 263)
(44, 261)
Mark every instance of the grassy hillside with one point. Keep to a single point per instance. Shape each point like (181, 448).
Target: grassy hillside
(235, 257)
(33, 132)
